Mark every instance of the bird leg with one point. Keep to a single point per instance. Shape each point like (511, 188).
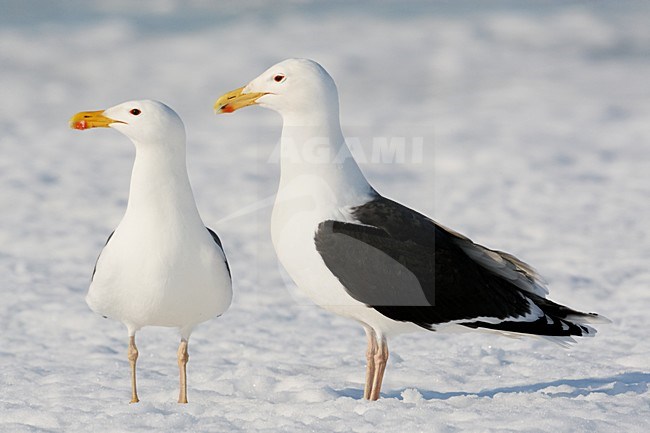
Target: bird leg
(370, 361)
(381, 357)
(183, 357)
(132, 355)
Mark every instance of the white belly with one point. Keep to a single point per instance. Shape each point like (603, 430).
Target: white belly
(295, 220)
(160, 279)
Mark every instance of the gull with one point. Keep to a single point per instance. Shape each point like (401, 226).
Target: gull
(364, 256)
(161, 266)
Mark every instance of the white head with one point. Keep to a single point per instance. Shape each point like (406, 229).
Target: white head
(291, 86)
(145, 122)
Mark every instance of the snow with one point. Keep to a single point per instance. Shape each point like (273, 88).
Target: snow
(523, 125)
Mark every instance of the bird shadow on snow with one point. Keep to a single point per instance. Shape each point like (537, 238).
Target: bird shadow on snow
(635, 382)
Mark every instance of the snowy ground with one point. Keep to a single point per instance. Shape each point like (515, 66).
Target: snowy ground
(534, 124)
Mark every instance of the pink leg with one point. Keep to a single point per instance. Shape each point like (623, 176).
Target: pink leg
(381, 357)
(183, 357)
(132, 355)
(370, 359)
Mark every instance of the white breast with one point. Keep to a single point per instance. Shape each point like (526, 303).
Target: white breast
(161, 268)
(301, 205)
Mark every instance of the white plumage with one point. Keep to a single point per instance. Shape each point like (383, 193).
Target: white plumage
(161, 266)
(366, 257)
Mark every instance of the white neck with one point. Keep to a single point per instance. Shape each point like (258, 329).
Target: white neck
(160, 186)
(313, 147)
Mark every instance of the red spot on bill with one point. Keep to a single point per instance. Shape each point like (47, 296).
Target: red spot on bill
(81, 125)
(227, 108)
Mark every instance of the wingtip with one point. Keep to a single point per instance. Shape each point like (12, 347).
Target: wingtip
(590, 318)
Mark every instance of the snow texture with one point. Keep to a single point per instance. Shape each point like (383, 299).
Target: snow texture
(523, 125)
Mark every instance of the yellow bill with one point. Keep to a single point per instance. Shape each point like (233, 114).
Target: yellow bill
(235, 100)
(91, 119)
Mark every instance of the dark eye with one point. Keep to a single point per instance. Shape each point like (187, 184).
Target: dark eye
(135, 111)
(279, 78)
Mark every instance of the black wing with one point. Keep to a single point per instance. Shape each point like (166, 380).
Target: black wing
(218, 242)
(92, 277)
(408, 268)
